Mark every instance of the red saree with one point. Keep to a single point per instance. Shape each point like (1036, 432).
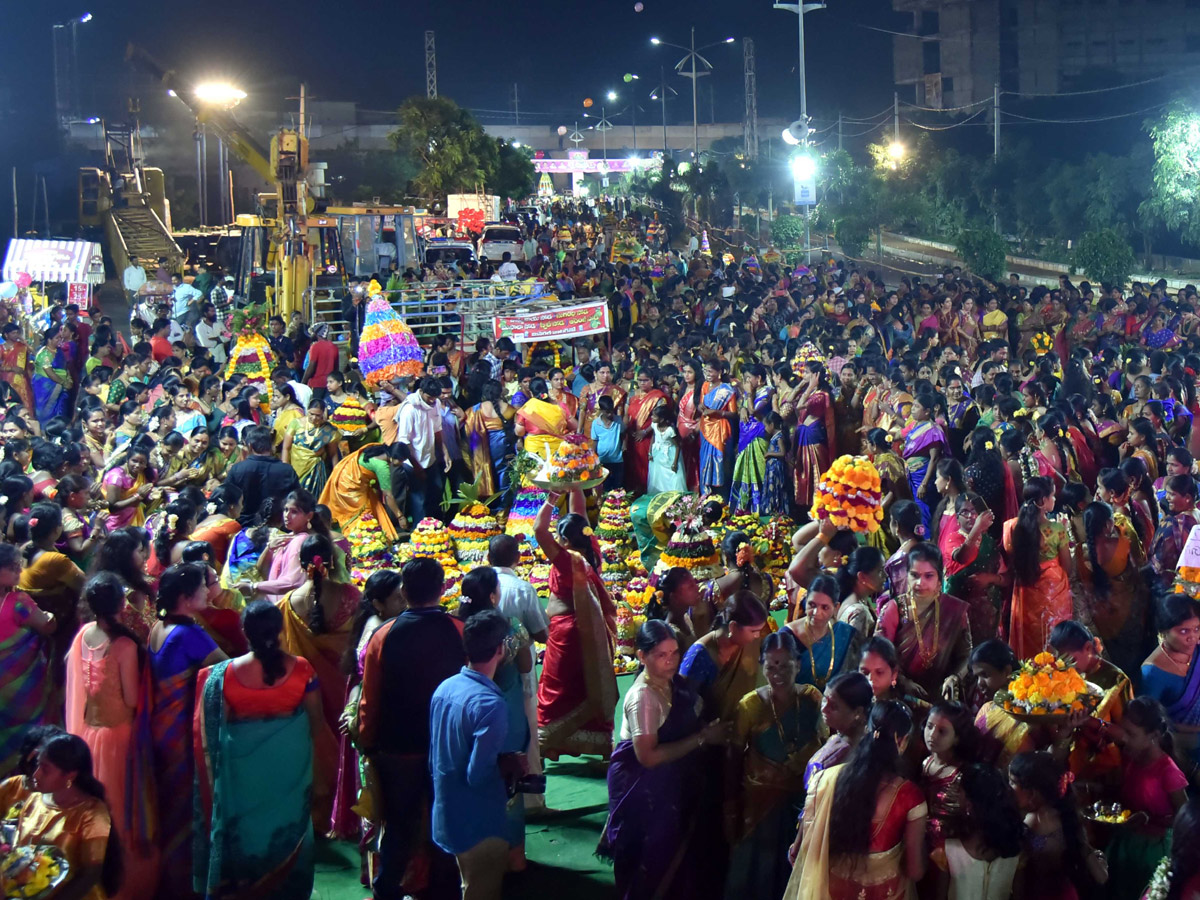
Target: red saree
(637, 460)
(688, 424)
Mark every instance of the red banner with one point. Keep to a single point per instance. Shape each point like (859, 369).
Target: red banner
(77, 292)
(553, 324)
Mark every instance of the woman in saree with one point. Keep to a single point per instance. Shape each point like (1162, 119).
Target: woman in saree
(285, 410)
(718, 411)
(179, 647)
(577, 693)
(563, 397)
(1171, 676)
(257, 721)
(972, 561)
(1173, 530)
(924, 444)
(541, 422)
(1115, 603)
(25, 686)
(907, 531)
(218, 522)
(52, 581)
(310, 446)
(723, 664)
(691, 399)
(814, 434)
(827, 647)
(995, 322)
(874, 847)
(488, 440)
(747, 493)
(127, 488)
(198, 463)
(362, 483)
(777, 730)
(1002, 736)
(590, 396)
(279, 561)
(317, 617)
(929, 628)
(894, 405)
(1038, 554)
(652, 834)
(51, 380)
(639, 431)
(69, 811)
(1055, 454)
(15, 367)
(108, 708)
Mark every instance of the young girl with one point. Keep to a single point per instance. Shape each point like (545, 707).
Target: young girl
(950, 737)
(1059, 862)
(666, 463)
(777, 490)
(983, 862)
(1151, 784)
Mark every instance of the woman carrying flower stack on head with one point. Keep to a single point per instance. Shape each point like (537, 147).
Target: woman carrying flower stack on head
(929, 628)
(1038, 555)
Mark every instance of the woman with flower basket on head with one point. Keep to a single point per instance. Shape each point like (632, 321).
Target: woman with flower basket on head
(1039, 554)
(577, 694)
(929, 628)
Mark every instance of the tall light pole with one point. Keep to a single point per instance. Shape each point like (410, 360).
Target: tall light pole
(222, 96)
(800, 8)
(660, 93)
(693, 55)
(66, 96)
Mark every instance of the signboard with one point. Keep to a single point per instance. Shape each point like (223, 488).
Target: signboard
(77, 292)
(554, 324)
(1190, 556)
(806, 190)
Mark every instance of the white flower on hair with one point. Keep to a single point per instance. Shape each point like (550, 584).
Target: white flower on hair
(212, 509)
(172, 521)
(3, 500)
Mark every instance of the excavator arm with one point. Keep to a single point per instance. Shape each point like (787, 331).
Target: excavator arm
(223, 124)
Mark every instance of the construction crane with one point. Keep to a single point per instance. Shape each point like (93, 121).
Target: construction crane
(290, 253)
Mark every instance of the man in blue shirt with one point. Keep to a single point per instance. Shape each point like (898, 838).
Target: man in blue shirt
(468, 723)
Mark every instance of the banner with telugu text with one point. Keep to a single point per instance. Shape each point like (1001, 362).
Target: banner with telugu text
(553, 324)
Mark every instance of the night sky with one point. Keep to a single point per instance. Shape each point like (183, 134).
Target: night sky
(372, 53)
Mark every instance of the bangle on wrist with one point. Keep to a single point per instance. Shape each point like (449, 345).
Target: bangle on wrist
(823, 538)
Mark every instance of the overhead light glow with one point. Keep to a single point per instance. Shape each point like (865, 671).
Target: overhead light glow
(86, 17)
(220, 94)
(655, 41)
(804, 167)
(612, 95)
(729, 40)
(896, 150)
(516, 145)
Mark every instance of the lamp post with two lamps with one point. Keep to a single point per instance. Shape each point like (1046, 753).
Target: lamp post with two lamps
(693, 54)
(66, 68)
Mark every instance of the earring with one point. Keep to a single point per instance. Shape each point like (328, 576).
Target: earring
(70, 783)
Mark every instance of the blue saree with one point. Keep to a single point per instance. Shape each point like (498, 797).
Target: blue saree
(716, 436)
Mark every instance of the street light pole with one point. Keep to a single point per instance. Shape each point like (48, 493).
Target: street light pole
(800, 8)
(662, 77)
(695, 122)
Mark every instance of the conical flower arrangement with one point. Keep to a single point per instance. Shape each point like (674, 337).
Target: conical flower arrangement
(252, 356)
(387, 348)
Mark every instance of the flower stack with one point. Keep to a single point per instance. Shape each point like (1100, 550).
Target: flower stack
(520, 524)
(615, 572)
(691, 545)
(1042, 343)
(387, 348)
(628, 623)
(539, 577)
(351, 417)
(474, 526)
(431, 539)
(637, 593)
(850, 495)
(573, 462)
(806, 354)
(1046, 686)
(252, 356)
(370, 550)
(615, 525)
(777, 538)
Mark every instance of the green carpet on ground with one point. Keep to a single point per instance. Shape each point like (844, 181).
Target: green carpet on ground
(560, 847)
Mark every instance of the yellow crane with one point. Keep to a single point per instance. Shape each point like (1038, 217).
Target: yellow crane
(288, 248)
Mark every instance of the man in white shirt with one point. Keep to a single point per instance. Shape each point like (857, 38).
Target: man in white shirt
(133, 278)
(519, 600)
(185, 298)
(508, 270)
(211, 334)
(419, 425)
(530, 248)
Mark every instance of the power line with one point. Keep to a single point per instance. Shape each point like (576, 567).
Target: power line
(1087, 121)
(946, 108)
(966, 121)
(1119, 87)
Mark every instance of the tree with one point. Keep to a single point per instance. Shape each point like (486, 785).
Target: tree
(1174, 198)
(451, 149)
(514, 175)
(357, 174)
(1104, 256)
(788, 231)
(983, 251)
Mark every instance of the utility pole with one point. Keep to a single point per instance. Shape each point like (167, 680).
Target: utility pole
(695, 113)
(516, 105)
(896, 117)
(750, 126)
(839, 131)
(995, 151)
(430, 66)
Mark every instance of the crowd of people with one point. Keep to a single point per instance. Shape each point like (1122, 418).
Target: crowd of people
(194, 690)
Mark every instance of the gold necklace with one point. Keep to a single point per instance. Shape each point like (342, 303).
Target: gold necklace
(1185, 665)
(791, 745)
(812, 659)
(926, 657)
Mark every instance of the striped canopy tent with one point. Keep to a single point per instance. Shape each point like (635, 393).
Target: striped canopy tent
(77, 262)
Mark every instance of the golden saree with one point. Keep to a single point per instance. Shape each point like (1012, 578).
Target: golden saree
(353, 490)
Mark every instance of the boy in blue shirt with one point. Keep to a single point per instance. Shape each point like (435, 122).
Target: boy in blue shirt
(607, 433)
